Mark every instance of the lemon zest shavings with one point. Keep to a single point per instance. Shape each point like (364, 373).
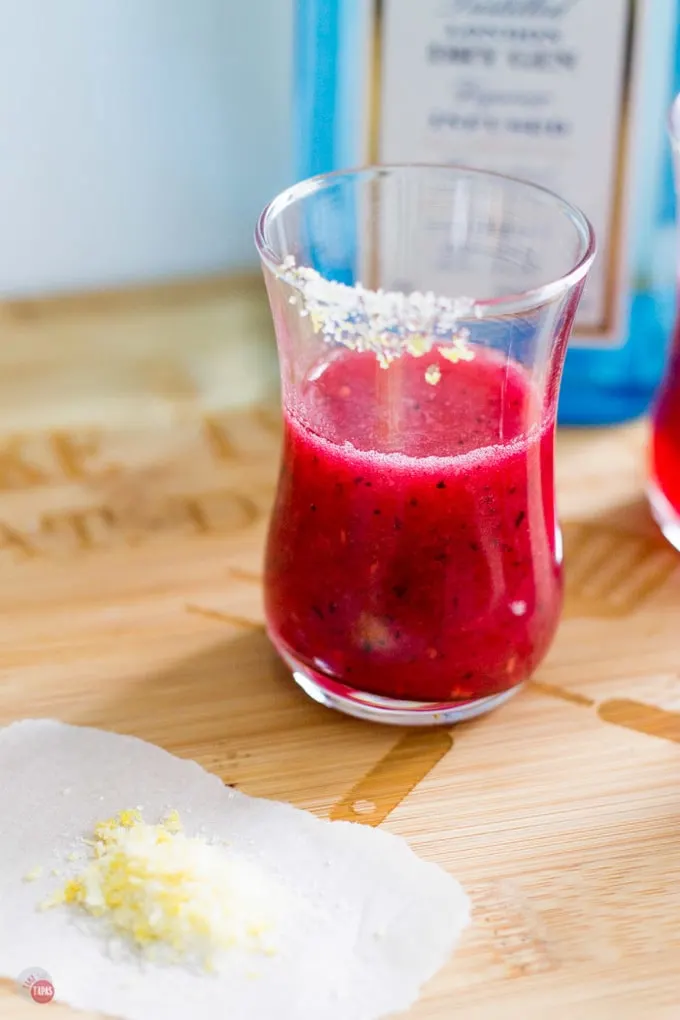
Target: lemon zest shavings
(456, 353)
(418, 344)
(171, 897)
(433, 374)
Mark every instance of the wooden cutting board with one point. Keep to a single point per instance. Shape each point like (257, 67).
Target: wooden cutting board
(138, 450)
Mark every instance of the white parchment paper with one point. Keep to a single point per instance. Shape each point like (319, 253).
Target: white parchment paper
(366, 923)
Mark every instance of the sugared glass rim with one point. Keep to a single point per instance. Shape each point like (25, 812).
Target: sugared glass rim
(507, 304)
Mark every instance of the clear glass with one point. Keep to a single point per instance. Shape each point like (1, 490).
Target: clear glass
(413, 565)
(664, 486)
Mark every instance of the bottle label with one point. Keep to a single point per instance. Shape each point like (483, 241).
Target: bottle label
(537, 89)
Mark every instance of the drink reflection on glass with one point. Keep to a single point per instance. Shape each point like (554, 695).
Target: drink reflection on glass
(413, 566)
(664, 486)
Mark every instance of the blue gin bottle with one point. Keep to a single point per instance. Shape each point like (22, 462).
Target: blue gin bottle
(572, 94)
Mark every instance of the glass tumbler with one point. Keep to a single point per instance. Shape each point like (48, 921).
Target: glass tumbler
(664, 483)
(413, 564)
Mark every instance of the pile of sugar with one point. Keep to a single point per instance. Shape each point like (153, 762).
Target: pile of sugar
(174, 898)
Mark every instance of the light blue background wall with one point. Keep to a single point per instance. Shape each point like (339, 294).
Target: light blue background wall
(138, 138)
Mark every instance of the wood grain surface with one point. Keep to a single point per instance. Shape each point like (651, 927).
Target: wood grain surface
(138, 451)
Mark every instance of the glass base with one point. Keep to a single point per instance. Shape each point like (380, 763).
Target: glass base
(664, 514)
(374, 708)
